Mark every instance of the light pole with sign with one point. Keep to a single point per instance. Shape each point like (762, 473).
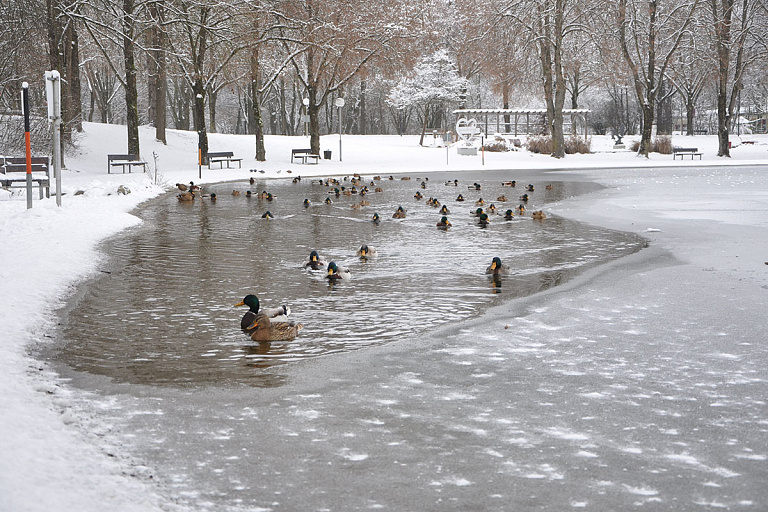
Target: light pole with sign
(339, 103)
(53, 95)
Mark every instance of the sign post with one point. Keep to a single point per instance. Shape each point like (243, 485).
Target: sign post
(339, 103)
(53, 95)
(27, 140)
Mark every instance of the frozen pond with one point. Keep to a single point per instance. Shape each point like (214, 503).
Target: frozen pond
(164, 313)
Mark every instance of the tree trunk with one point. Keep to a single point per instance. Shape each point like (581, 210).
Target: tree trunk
(689, 115)
(314, 120)
(131, 91)
(212, 94)
(258, 121)
(424, 126)
(198, 117)
(361, 127)
(156, 64)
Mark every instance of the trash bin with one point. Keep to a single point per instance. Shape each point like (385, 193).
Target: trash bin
(327, 154)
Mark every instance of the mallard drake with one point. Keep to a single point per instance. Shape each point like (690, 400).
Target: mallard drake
(492, 208)
(444, 210)
(496, 268)
(443, 223)
(483, 220)
(186, 196)
(509, 215)
(306, 203)
(213, 196)
(336, 272)
(268, 215)
(538, 215)
(315, 262)
(423, 184)
(270, 197)
(193, 187)
(521, 209)
(278, 313)
(417, 195)
(474, 186)
(399, 213)
(265, 329)
(328, 200)
(478, 212)
(248, 194)
(529, 188)
(367, 251)
(460, 198)
(524, 198)
(262, 195)
(479, 202)
(508, 183)
(376, 219)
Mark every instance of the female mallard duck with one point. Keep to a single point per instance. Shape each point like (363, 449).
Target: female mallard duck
(186, 196)
(538, 215)
(443, 223)
(336, 273)
(279, 313)
(235, 193)
(182, 187)
(367, 251)
(502, 198)
(265, 329)
(252, 180)
(479, 202)
(496, 268)
(399, 213)
(492, 208)
(315, 262)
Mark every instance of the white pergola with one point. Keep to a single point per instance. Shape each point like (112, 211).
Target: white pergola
(514, 115)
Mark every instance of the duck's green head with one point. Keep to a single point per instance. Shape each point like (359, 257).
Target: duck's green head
(479, 211)
(483, 217)
(251, 301)
(364, 250)
(332, 268)
(444, 219)
(495, 263)
(314, 257)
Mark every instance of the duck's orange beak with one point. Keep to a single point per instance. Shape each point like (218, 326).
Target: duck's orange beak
(241, 303)
(493, 265)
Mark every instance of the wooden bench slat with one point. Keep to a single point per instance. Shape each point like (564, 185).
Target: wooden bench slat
(39, 164)
(221, 157)
(124, 160)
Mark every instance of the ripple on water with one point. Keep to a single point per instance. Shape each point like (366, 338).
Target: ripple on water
(165, 314)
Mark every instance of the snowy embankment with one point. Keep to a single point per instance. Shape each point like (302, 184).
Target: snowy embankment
(708, 213)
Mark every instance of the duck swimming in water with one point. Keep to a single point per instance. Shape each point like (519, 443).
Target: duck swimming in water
(376, 219)
(268, 215)
(367, 251)
(399, 213)
(483, 220)
(443, 223)
(496, 268)
(278, 313)
(265, 329)
(444, 210)
(509, 215)
(336, 273)
(315, 261)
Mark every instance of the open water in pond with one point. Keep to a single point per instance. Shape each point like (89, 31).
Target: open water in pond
(164, 314)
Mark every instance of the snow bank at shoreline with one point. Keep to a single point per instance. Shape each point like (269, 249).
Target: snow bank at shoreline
(709, 212)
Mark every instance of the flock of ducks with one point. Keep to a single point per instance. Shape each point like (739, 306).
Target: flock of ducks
(272, 324)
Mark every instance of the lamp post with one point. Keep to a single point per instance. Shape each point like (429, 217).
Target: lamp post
(339, 103)
(305, 101)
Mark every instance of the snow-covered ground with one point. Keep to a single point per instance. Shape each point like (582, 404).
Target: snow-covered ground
(694, 305)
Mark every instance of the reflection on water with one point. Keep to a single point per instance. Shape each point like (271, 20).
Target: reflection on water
(165, 314)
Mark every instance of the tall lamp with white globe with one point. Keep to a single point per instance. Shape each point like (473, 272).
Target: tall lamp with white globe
(339, 103)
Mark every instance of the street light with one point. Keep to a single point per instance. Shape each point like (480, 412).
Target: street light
(339, 103)
(305, 101)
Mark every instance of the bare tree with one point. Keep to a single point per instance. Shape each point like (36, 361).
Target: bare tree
(649, 35)
(734, 40)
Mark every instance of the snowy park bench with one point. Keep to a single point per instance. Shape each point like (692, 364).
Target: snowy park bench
(685, 151)
(304, 155)
(40, 164)
(223, 156)
(125, 161)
